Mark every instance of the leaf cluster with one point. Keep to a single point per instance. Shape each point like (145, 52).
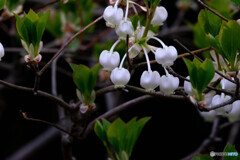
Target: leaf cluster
(120, 135)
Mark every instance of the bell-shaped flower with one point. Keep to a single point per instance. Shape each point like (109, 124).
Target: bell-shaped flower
(150, 80)
(208, 116)
(187, 86)
(160, 16)
(124, 28)
(228, 85)
(109, 60)
(168, 84)
(113, 16)
(120, 77)
(2, 53)
(219, 99)
(166, 56)
(234, 115)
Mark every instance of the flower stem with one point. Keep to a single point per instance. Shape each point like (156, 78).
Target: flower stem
(126, 13)
(149, 20)
(114, 45)
(121, 64)
(116, 4)
(157, 39)
(147, 59)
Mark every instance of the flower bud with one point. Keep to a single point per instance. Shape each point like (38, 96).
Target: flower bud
(166, 56)
(86, 108)
(187, 86)
(235, 112)
(168, 84)
(2, 53)
(120, 77)
(109, 60)
(112, 16)
(219, 99)
(160, 16)
(150, 80)
(124, 28)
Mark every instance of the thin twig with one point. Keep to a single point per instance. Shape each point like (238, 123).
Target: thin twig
(67, 43)
(179, 56)
(42, 94)
(213, 11)
(194, 55)
(45, 122)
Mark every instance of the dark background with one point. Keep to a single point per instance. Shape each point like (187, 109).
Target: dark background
(175, 129)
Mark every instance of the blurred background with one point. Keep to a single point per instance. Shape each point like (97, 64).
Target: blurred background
(176, 128)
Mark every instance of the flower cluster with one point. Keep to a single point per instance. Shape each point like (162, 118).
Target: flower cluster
(138, 42)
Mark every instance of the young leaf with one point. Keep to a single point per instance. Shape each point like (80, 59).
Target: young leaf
(229, 37)
(134, 20)
(134, 129)
(116, 135)
(41, 26)
(99, 130)
(209, 22)
(200, 74)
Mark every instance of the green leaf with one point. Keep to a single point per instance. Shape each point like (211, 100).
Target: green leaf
(73, 67)
(41, 26)
(81, 78)
(237, 2)
(231, 150)
(221, 6)
(21, 29)
(196, 158)
(116, 135)
(229, 38)
(99, 130)
(134, 129)
(134, 20)
(93, 77)
(2, 3)
(209, 22)
(200, 74)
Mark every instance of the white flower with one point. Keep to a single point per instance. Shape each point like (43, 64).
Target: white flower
(124, 28)
(208, 116)
(150, 80)
(120, 77)
(219, 99)
(187, 86)
(168, 84)
(160, 16)
(2, 53)
(228, 85)
(112, 16)
(109, 60)
(234, 115)
(166, 56)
